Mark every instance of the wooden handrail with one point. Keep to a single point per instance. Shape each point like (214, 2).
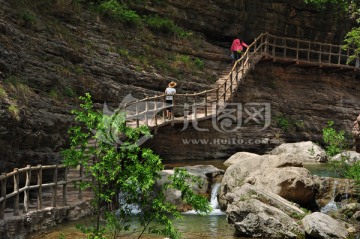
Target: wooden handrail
(265, 45)
(27, 186)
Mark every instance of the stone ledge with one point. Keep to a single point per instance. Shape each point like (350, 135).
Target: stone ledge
(18, 227)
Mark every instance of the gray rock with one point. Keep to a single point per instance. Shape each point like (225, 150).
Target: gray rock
(278, 174)
(349, 157)
(302, 151)
(251, 217)
(320, 225)
(207, 174)
(237, 157)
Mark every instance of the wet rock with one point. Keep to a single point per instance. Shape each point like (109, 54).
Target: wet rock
(301, 151)
(349, 157)
(320, 225)
(208, 175)
(237, 157)
(356, 133)
(251, 217)
(277, 174)
(336, 189)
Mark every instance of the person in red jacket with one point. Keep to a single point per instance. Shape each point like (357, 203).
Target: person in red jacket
(237, 47)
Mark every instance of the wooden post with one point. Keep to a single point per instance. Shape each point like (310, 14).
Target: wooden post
(339, 57)
(3, 195)
(206, 104)
(225, 92)
(146, 110)
(39, 184)
(320, 54)
(284, 44)
(137, 113)
(16, 190)
(195, 108)
(26, 192)
(54, 189)
(330, 54)
(267, 44)
(163, 107)
(231, 86)
(308, 55)
(65, 186)
(155, 111)
(217, 101)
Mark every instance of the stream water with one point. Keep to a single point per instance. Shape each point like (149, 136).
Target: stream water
(192, 226)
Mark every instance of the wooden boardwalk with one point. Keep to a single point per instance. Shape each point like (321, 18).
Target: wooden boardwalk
(204, 105)
(35, 194)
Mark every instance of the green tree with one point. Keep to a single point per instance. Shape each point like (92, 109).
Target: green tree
(335, 140)
(124, 174)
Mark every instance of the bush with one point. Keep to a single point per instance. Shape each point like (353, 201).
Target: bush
(14, 112)
(334, 139)
(283, 123)
(118, 11)
(158, 24)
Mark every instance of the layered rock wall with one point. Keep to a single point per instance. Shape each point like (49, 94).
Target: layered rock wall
(302, 101)
(222, 20)
(48, 54)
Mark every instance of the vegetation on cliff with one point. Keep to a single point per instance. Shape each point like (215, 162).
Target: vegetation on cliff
(352, 7)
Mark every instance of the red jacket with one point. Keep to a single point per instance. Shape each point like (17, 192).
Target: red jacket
(238, 45)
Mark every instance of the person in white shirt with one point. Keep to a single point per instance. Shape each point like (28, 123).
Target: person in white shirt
(169, 92)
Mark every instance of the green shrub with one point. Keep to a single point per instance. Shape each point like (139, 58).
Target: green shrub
(283, 123)
(199, 63)
(158, 24)
(69, 92)
(14, 111)
(28, 17)
(334, 139)
(123, 52)
(119, 11)
(3, 93)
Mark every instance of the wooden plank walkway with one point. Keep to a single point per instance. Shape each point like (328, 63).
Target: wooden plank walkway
(150, 111)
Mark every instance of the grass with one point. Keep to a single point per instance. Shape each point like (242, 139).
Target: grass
(3, 93)
(14, 112)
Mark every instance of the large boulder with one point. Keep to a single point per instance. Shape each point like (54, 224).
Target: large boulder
(292, 183)
(306, 151)
(278, 174)
(334, 189)
(238, 157)
(320, 225)
(207, 175)
(256, 213)
(356, 133)
(349, 157)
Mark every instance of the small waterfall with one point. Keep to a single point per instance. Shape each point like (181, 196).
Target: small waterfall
(331, 206)
(213, 202)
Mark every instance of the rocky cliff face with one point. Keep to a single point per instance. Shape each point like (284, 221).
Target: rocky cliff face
(300, 102)
(49, 56)
(221, 20)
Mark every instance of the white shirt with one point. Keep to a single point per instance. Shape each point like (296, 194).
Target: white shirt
(169, 92)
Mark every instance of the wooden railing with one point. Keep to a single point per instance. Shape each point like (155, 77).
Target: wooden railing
(202, 105)
(190, 106)
(307, 51)
(30, 178)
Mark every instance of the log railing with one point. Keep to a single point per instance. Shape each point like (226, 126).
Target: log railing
(30, 179)
(202, 105)
(308, 51)
(190, 106)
